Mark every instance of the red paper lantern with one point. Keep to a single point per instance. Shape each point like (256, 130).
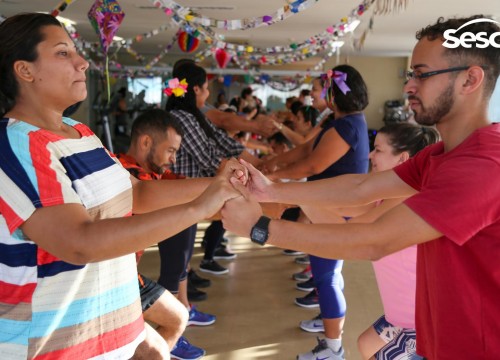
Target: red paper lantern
(222, 58)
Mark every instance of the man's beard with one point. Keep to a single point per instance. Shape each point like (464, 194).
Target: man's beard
(442, 106)
(157, 169)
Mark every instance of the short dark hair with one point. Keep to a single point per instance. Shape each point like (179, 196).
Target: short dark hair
(357, 98)
(305, 92)
(310, 114)
(279, 138)
(461, 56)
(19, 37)
(295, 106)
(246, 91)
(154, 122)
(408, 137)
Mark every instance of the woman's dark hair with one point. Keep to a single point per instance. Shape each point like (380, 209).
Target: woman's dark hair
(296, 105)
(305, 92)
(19, 38)
(357, 98)
(279, 138)
(408, 137)
(154, 122)
(195, 76)
(246, 91)
(310, 114)
(236, 102)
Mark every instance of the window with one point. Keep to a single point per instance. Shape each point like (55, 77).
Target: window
(147, 90)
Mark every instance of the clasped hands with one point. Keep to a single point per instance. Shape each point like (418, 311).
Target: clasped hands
(241, 211)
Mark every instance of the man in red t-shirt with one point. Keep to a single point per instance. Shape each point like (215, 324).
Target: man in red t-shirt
(452, 213)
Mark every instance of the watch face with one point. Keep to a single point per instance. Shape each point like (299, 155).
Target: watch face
(259, 235)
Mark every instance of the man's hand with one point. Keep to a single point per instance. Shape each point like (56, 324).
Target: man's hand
(232, 168)
(265, 125)
(240, 214)
(216, 194)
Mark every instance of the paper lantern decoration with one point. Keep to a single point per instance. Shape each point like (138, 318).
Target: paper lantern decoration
(222, 58)
(187, 42)
(106, 17)
(248, 79)
(228, 79)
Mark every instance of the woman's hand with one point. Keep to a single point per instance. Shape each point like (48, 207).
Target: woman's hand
(258, 185)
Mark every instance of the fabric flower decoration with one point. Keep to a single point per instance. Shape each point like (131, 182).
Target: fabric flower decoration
(175, 87)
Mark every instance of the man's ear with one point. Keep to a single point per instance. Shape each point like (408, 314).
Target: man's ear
(474, 79)
(145, 142)
(23, 71)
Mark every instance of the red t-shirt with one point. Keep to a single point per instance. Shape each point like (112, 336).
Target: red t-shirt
(458, 275)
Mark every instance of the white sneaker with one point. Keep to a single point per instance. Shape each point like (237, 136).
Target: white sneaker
(322, 352)
(314, 325)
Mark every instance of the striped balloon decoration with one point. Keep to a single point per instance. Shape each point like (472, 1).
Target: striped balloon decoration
(187, 42)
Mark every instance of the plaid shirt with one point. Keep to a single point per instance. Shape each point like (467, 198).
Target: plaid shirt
(199, 155)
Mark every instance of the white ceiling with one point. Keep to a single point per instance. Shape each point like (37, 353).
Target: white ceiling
(393, 34)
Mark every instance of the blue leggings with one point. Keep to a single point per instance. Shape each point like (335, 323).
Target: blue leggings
(329, 282)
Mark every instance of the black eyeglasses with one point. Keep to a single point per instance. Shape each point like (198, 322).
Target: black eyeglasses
(412, 75)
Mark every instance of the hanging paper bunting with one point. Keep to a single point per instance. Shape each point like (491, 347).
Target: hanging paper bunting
(222, 58)
(187, 42)
(61, 7)
(244, 56)
(106, 17)
(280, 14)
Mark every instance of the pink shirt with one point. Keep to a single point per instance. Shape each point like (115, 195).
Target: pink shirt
(396, 277)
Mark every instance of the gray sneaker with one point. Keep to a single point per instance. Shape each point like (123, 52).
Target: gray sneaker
(323, 352)
(302, 260)
(314, 325)
(303, 275)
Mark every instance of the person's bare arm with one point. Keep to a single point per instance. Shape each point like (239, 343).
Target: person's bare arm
(68, 232)
(393, 231)
(340, 191)
(328, 151)
(231, 122)
(330, 214)
(255, 161)
(286, 158)
(357, 214)
(294, 137)
(154, 195)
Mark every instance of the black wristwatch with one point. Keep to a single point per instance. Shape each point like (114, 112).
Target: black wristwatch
(260, 231)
